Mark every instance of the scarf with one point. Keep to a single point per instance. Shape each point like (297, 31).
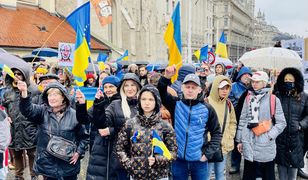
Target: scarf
(254, 104)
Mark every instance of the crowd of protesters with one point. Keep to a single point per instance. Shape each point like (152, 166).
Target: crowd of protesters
(208, 113)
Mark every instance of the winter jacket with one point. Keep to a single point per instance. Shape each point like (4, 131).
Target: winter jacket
(220, 107)
(48, 124)
(260, 148)
(189, 125)
(101, 149)
(290, 142)
(23, 131)
(135, 142)
(5, 134)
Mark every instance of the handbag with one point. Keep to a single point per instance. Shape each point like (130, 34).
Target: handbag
(218, 156)
(262, 127)
(60, 147)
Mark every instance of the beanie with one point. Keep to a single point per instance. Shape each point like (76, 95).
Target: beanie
(112, 80)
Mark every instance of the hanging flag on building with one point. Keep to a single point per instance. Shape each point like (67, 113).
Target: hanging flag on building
(159, 146)
(221, 48)
(172, 38)
(124, 57)
(201, 53)
(80, 21)
(103, 9)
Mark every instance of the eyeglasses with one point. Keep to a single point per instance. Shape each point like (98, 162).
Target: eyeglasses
(17, 73)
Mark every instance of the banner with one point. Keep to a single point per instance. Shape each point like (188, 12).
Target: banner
(65, 54)
(103, 9)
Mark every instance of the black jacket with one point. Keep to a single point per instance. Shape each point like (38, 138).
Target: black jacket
(67, 127)
(212, 124)
(290, 142)
(101, 150)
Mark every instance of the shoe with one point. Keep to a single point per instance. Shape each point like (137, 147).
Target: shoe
(234, 170)
(302, 174)
(11, 166)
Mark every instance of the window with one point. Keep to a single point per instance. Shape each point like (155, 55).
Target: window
(167, 6)
(225, 21)
(226, 8)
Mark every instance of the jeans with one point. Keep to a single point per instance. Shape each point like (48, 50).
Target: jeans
(219, 168)
(182, 168)
(287, 173)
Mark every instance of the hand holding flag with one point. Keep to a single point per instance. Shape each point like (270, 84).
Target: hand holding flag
(7, 70)
(159, 146)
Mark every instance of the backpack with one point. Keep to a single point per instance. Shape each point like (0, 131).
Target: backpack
(272, 106)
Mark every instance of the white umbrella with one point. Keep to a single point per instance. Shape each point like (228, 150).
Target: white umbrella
(227, 62)
(271, 58)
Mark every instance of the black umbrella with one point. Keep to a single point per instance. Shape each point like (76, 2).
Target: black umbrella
(12, 61)
(46, 52)
(30, 58)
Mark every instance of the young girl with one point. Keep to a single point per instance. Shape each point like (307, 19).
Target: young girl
(134, 146)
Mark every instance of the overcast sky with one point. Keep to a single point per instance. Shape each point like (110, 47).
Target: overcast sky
(287, 16)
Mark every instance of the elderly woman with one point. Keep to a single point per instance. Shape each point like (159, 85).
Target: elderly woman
(57, 123)
(258, 129)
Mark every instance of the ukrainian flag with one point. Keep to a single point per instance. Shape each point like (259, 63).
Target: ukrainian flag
(221, 48)
(159, 146)
(80, 21)
(172, 38)
(201, 54)
(8, 70)
(124, 57)
(101, 59)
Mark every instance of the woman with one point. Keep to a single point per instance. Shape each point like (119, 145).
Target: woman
(54, 118)
(218, 98)
(290, 143)
(134, 146)
(100, 151)
(111, 120)
(257, 130)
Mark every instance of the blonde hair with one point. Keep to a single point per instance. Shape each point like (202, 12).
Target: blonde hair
(124, 104)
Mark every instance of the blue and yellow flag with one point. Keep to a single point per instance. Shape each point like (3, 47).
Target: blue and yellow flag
(172, 38)
(159, 146)
(89, 93)
(80, 21)
(124, 57)
(221, 48)
(201, 54)
(134, 137)
(101, 59)
(7, 70)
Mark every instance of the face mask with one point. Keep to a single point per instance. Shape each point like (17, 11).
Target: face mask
(289, 85)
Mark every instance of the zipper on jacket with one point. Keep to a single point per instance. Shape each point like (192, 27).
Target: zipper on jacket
(186, 137)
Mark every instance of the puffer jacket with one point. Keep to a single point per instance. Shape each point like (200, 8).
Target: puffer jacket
(101, 149)
(134, 145)
(67, 127)
(220, 107)
(290, 142)
(23, 131)
(260, 148)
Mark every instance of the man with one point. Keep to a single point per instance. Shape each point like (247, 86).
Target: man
(192, 120)
(203, 72)
(143, 75)
(183, 71)
(23, 131)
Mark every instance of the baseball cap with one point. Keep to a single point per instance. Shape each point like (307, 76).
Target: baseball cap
(192, 78)
(259, 76)
(223, 84)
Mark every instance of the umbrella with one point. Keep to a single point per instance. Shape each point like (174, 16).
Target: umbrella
(12, 61)
(227, 62)
(30, 57)
(153, 67)
(45, 52)
(271, 58)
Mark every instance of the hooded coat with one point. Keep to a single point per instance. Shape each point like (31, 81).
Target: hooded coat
(290, 142)
(220, 105)
(67, 127)
(23, 131)
(133, 150)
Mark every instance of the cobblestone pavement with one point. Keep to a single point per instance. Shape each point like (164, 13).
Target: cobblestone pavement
(84, 164)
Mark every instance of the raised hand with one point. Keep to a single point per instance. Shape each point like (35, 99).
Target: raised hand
(99, 94)
(80, 97)
(23, 88)
(170, 71)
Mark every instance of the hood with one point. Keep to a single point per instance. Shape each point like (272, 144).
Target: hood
(244, 70)
(156, 95)
(130, 76)
(299, 80)
(26, 71)
(61, 88)
(214, 90)
(223, 68)
(184, 70)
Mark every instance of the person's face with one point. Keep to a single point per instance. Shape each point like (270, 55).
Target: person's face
(142, 71)
(257, 85)
(38, 75)
(224, 91)
(90, 80)
(134, 69)
(147, 102)
(204, 71)
(18, 76)
(218, 69)
(55, 98)
(191, 90)
(62, 76)
(130, 88)
(289, 78)
(45, 82)
(110, 89)
(245, 79)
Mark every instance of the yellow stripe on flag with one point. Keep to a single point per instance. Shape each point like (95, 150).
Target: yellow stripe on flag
(161, 145)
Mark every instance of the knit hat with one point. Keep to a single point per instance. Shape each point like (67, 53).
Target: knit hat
(185, 70)
(90, 75)
(156, 95)
(112, 80)
(41, 70)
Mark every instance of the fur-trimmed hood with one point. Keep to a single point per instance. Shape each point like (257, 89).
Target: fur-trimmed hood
(299, 80)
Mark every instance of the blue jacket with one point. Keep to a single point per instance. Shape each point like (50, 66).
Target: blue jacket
(192, 120)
